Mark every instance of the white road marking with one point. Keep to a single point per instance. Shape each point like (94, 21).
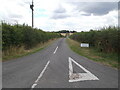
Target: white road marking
(70, 68)
(55, 50)
(33, 86)
(41, 74)
(75, 77)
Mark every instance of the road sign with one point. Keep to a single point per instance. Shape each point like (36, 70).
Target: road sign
(84, 44)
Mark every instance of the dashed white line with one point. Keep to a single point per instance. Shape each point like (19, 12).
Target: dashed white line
(55, 50)
(33, 86)
(41, 74)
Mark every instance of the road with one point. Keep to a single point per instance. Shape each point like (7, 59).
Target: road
(57, 67)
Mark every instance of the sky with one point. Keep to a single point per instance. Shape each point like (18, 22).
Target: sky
(55, 15)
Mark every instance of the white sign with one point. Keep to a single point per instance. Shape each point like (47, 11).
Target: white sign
(84, 44)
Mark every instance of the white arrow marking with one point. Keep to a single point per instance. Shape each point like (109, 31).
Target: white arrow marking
(75, 77)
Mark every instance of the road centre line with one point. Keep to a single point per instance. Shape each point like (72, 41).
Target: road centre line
(41, 74)
(33, 86)
(55, 50)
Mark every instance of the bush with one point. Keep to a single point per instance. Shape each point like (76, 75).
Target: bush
(24, 35)
(105, 39)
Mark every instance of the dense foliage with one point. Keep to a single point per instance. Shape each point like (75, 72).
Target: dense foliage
(24, 35)
(66, 31)
(105, 39)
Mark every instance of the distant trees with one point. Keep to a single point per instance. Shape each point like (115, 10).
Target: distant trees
(24, 35)
(66, 31)
(105, 39)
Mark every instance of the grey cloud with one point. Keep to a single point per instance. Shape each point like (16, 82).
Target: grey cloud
(86, 14)
(15, 16)
(101, 8)
(97, 8)
(60, 16)
(60, 13)
(60, 9)
(119, 5)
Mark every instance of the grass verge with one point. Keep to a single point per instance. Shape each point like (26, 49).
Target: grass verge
(23, 52)
(110, 59)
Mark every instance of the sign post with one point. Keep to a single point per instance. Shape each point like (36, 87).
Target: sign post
(31, 6)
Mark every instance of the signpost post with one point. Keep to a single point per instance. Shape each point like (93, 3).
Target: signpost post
(31, 6)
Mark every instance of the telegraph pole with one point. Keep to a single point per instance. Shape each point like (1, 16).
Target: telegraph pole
(31, 7)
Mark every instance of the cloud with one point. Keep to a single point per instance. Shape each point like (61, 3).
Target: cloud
(56, 15)
(96, 8)
(101, 8)
(60, 16)
(60, 13)
(86, 14)
(60, 9)
(15, 16)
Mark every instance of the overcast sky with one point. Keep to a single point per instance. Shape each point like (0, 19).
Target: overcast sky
(54, 15)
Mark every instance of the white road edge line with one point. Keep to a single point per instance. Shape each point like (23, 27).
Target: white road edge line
(41, 74)
(55, 50)
(85, 76)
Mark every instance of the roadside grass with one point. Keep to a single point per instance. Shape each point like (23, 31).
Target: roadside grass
(110, 59)
(20, 52)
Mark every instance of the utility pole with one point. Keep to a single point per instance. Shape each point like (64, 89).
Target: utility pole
(31, 6)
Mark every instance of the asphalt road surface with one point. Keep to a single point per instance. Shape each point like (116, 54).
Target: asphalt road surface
(57, 67)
